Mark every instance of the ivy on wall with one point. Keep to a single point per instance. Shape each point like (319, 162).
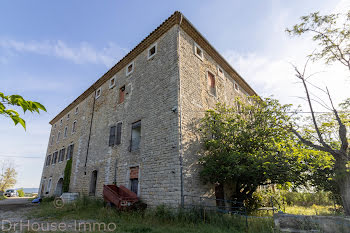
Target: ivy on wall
(67, 174)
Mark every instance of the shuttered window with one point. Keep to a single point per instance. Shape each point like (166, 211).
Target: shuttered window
(111, 136)
(118, 134)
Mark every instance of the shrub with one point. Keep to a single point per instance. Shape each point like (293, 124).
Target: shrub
(20, 192)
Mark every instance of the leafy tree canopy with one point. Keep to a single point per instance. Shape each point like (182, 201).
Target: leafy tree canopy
(19, 101)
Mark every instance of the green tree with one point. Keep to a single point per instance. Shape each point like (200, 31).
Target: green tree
(8, 176)
(19, 101)
(330, 134)
(247, 145)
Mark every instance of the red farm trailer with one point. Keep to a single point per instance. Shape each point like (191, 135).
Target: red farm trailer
(119, 196)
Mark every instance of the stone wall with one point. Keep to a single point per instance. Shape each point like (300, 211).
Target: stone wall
(195, 99)
(151, 96)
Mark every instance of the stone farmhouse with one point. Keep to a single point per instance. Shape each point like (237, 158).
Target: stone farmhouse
(135, 126)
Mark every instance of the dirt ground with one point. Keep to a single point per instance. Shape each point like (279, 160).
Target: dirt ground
(14, 210)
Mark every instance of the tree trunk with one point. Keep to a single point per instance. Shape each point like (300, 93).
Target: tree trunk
(220, 196)
(343, 181)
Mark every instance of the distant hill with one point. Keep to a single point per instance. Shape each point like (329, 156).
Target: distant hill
(29, 190)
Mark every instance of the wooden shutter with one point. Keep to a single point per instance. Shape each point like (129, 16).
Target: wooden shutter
(211, 80)
(111, 136)
(119, 134)
(121, 94)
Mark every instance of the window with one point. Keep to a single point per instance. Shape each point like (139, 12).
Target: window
(118, 137)
(112, 82)
(65, 132)
(54, 157)
(49, 186)
(61, 122)
(58, 136)
(48, 160)
(61, 155)
(55, 126)
(220, 72)
(76, 110)
(121, 94)
(130, 68)
(74, 126)
(115, 134)
(134, 179)
(198, 51)
(211, 83)
(68, 116)
(52, 139)
(135, 136)
(70, 150)
(98, 93)
(111, 136)
(236, 86)
(152, 51)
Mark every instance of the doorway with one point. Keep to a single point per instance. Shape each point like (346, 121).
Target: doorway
(59, 187)
(93, 183)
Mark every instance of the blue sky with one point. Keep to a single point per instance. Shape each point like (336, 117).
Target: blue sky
(51, 51)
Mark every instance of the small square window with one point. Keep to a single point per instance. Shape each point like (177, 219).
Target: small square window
(112, 82)
(130, 68)
(98, 93)
(198, 51)
(152, 51)
(220, 72)
(76, 110)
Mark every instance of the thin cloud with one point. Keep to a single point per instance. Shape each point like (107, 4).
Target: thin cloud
(81, 54)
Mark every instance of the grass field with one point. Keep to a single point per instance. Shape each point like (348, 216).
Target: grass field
(2, 197)
(157, 220)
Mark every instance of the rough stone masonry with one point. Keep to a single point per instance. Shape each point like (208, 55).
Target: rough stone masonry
(136, 125)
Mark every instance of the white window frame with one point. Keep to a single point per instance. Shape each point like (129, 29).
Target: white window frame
(236, 86)
(195, 51)
(65, 132)
(113, 85)
(99, 90)
(148, 50)
(221, 74)
(132, 70)
(74, 122)
(76, 110)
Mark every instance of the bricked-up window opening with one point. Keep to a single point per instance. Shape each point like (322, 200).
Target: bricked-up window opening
(74, 126)
(76, 110)
(152, 51)
(121, 94)
(134, 179)
(118, 137)
(135, 136)
(130, 68)
(211, 83)
(93, 183)
(70, 150)
(111, 136)
(52, 139)
(65, 131)
(68, 116)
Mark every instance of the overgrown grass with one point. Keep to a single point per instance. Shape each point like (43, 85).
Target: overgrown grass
(2, 197)
(160, 219)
